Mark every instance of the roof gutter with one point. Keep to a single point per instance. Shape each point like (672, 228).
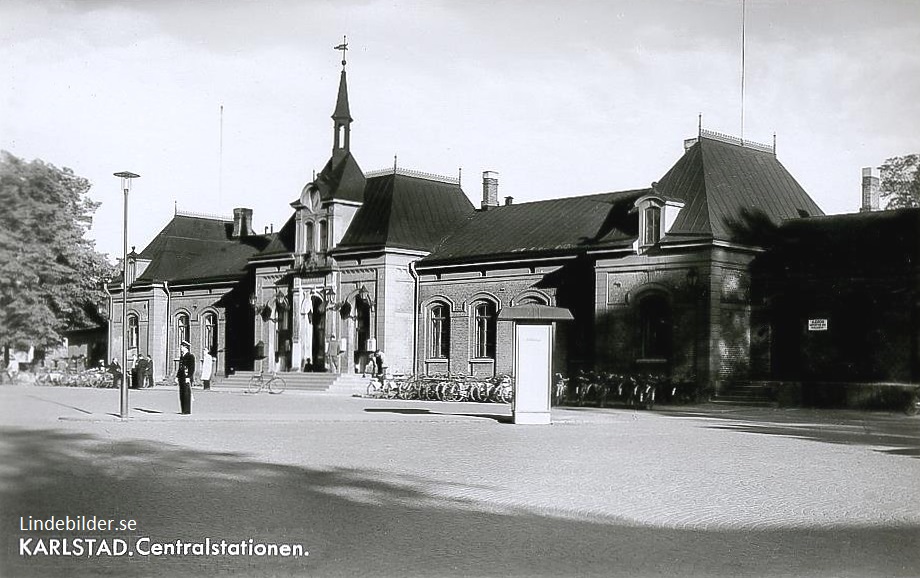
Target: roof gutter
(474, 264)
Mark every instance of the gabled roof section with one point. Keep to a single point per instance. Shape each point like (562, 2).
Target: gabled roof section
(198, 249)
(281, 242)
(723, 184)
(402, 210)
(341, 180)
(556, 227)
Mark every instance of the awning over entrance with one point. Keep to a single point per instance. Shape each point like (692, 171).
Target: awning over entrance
(535, 312)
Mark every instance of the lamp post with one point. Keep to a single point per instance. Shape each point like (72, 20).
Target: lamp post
(126, 187)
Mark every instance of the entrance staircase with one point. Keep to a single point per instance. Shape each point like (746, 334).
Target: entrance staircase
(744, 394)
(343, 383)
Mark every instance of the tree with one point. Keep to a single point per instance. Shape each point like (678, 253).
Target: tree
(900, 181)
(50, 275)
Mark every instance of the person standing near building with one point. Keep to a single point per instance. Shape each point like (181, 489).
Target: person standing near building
(148, 375)
(185, 374)
(117, 373)
(381, 362)
(207, 367)
(333, 350)
(140, 372)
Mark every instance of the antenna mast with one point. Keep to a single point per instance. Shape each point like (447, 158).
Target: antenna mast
(743, 10)
(220, 162)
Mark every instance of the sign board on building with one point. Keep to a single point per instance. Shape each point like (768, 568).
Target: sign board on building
(817, 324)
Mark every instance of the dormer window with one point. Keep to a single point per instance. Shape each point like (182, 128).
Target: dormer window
(657, 215)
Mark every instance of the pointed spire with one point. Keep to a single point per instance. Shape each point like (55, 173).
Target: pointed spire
(341, 117)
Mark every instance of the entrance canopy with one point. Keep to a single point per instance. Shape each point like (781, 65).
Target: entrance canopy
(535, 312)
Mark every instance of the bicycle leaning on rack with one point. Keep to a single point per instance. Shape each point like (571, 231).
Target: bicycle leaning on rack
(274, 384)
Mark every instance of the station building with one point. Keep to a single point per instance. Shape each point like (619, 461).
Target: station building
(677, 278)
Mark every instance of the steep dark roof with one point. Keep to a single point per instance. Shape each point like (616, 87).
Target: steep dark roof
(341, 102)
(408, 212)
(543, 228)
(281, 242)
(721, 183)
(341, 179)
(198, 249)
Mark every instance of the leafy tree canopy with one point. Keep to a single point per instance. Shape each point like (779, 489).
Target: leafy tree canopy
(900, 181)
(50, 275)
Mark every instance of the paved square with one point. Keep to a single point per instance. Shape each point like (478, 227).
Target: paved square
(395, 488)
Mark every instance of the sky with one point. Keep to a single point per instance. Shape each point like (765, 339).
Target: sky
(562, 98)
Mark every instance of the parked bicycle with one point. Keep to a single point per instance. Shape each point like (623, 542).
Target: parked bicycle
(274, 384)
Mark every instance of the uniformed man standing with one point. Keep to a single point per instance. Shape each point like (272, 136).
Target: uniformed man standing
(185, 374)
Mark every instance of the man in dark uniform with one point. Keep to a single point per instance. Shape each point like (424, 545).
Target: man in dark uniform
(185, 373)
(140, 373)
(148, 375)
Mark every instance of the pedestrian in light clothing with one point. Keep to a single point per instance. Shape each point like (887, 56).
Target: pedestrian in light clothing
(207, 366)
(333, 350)
(185, 374)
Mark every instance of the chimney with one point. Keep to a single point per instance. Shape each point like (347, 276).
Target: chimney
(489, 189)
(870, 190)
(242, 222)
(508, 201)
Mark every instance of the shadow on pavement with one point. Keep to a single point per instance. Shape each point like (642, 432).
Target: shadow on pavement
(890, 434)
(357, 522)
(423, 411)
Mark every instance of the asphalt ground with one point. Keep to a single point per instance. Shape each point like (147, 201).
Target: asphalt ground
(399, 488)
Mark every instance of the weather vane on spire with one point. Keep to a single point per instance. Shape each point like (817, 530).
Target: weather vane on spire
(343, 47)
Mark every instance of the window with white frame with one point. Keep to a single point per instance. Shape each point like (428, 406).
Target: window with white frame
(132, 331)
(439, 332)
(652, 228)
(484, 330)
(210, 333)
(182, 328)
(323, 236)
(308, 232)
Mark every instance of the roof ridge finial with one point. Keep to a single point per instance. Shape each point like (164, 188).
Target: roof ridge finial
(699, 126)
(343, 47)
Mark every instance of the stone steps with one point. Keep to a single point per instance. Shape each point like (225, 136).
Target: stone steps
(297, 381)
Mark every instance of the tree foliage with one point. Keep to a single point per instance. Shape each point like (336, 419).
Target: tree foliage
(50, 275)
(900, 181)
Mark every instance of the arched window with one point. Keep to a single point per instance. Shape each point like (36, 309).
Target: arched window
(655, 327)
(309, 242)
(209, 338)
(182, 329)
(484, 319)
(323, 236)
(132, 331)
(439, 332)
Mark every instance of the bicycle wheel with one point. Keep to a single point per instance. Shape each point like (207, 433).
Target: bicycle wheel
(408, 389)
(276, 385)
(255, 384)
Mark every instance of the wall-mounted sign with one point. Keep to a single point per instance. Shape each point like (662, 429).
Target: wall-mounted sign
(817, 324)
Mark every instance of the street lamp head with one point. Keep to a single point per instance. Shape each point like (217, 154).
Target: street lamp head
(126, 177)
